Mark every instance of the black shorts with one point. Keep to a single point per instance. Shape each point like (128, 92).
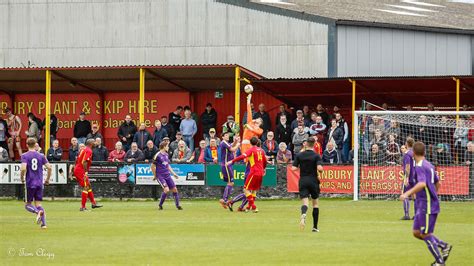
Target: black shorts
(308, 188)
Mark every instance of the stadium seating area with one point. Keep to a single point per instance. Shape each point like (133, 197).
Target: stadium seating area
(283, 135)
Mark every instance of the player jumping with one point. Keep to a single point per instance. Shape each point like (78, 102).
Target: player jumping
(83, 163)
(162, 171)
(426, 205)
(408, 172)
(32, 165)
(226, 154)
(257, 160)
(308, 161)
(251, 129)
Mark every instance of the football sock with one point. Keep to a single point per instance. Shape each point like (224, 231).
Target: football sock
(304, 209)
(251, 200)
(244, 202)
(433, 248)
(162, 199)
(43, 218)
(84, 199)
(440, 243)
(227, 192)
(176, 198)
(31, 208)
(406, 207)
(239, 197)
(315, 217)
(90, 194)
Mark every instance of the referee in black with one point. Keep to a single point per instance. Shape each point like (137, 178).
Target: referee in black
(308, 161)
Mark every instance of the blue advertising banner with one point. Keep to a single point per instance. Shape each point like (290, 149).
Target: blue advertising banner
(188, 174)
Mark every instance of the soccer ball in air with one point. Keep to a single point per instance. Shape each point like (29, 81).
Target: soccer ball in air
(248, 88)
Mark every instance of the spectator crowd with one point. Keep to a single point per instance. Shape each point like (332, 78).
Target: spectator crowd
(382, 139)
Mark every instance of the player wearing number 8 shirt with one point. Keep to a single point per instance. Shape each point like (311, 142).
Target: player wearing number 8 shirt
(32, 166)
(308, 161)
(83, 163)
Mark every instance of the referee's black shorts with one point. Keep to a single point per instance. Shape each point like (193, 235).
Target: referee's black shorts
(308, 188)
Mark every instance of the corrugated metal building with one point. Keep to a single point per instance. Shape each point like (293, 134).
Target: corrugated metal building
(275, 38)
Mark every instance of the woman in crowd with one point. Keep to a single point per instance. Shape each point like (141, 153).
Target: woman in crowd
(283, 155)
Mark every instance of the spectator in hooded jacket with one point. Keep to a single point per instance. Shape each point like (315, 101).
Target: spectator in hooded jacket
(283, 131)
(117, 155)
(231, 127)
(134, 154)
(73, 150)
(330, 155)
(159, 134)
(142, 136)
(208, 119)
(126, 132)
(306, 113)
(55, 153)
(100, 152)
(150, 151)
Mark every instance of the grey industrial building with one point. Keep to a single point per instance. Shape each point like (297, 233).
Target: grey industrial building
(294, 38)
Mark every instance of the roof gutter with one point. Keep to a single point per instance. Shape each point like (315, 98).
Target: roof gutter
(404, 27)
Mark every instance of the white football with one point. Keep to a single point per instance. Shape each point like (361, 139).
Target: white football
(248, 88)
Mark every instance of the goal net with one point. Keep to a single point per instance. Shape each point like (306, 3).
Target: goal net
(379, 145)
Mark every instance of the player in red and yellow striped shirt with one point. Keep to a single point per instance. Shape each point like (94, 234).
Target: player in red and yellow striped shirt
(256, 159)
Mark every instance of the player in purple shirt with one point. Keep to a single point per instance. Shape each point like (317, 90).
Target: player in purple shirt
(426, 187)
(32, 165)
(162, 172)
(226, 154)
(408, 173)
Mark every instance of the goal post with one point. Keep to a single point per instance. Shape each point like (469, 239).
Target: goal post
(379, 144)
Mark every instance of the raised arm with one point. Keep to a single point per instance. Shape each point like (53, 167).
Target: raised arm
(249, 109)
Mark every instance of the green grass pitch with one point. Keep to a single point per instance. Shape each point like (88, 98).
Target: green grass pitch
(134, 232)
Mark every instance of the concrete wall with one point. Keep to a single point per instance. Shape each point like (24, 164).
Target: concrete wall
(98, 32)
(365, 51)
